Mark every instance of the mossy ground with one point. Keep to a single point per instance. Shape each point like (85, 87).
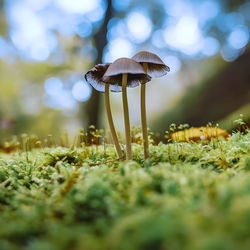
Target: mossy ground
(186, 196)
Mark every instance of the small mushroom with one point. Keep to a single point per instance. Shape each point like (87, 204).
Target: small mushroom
(154, 67)
(94, 77)
(126, 72)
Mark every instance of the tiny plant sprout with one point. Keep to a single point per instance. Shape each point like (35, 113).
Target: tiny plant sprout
(94, 77)
(126, 72)
(154, 67)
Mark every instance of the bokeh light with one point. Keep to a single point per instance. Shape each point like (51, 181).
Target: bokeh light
(228, 53)
(158, 39)
(174, 64)
(121, 5)
(210, 46)
(62, 100)
(81, 91)
(185, 35)
(77, 6)
(227, 21)
(33, 25)
(139, 26)
(29, 33)
(208, 10)
(177, 8)
(97, 14)
(53, 86)
(118, 48)
(239, 37)
(57, 96)
(38, 4)
(84, 28)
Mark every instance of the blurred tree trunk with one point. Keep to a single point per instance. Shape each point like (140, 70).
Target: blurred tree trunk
(100, 39)
(3, 22)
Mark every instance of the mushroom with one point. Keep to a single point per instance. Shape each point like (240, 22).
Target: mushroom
(154, 67)
(126, 72)
(94, 77)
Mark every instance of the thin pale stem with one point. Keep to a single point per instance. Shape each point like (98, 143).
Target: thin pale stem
(111, 123)
(126, 117)
(144, 116)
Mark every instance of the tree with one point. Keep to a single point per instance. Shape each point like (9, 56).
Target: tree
(100, 38)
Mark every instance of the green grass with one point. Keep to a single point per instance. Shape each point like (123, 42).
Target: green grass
(186, 196)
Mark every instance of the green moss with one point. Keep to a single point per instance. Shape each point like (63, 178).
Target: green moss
(186, 196)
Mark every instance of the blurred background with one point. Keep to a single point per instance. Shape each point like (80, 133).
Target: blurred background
(46, 47)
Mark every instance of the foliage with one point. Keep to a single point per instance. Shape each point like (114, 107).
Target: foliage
(186, 196)
(207, 100)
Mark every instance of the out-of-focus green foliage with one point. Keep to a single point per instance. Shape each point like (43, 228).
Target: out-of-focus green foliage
(223, 90)
(186, 196)
(15, 80)
(227, 122)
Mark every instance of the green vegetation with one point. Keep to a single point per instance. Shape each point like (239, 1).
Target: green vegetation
(185, 196)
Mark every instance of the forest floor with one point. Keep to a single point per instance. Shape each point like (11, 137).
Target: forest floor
(188, 195)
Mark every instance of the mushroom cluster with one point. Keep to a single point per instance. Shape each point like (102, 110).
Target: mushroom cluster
(119, 75)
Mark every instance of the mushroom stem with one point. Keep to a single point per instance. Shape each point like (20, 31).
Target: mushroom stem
(111, 123)
(126, 117)
(144, 116)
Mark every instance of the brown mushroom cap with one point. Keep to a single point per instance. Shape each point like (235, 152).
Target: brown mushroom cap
(136, 73)
(156, 67)
(94, 78)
